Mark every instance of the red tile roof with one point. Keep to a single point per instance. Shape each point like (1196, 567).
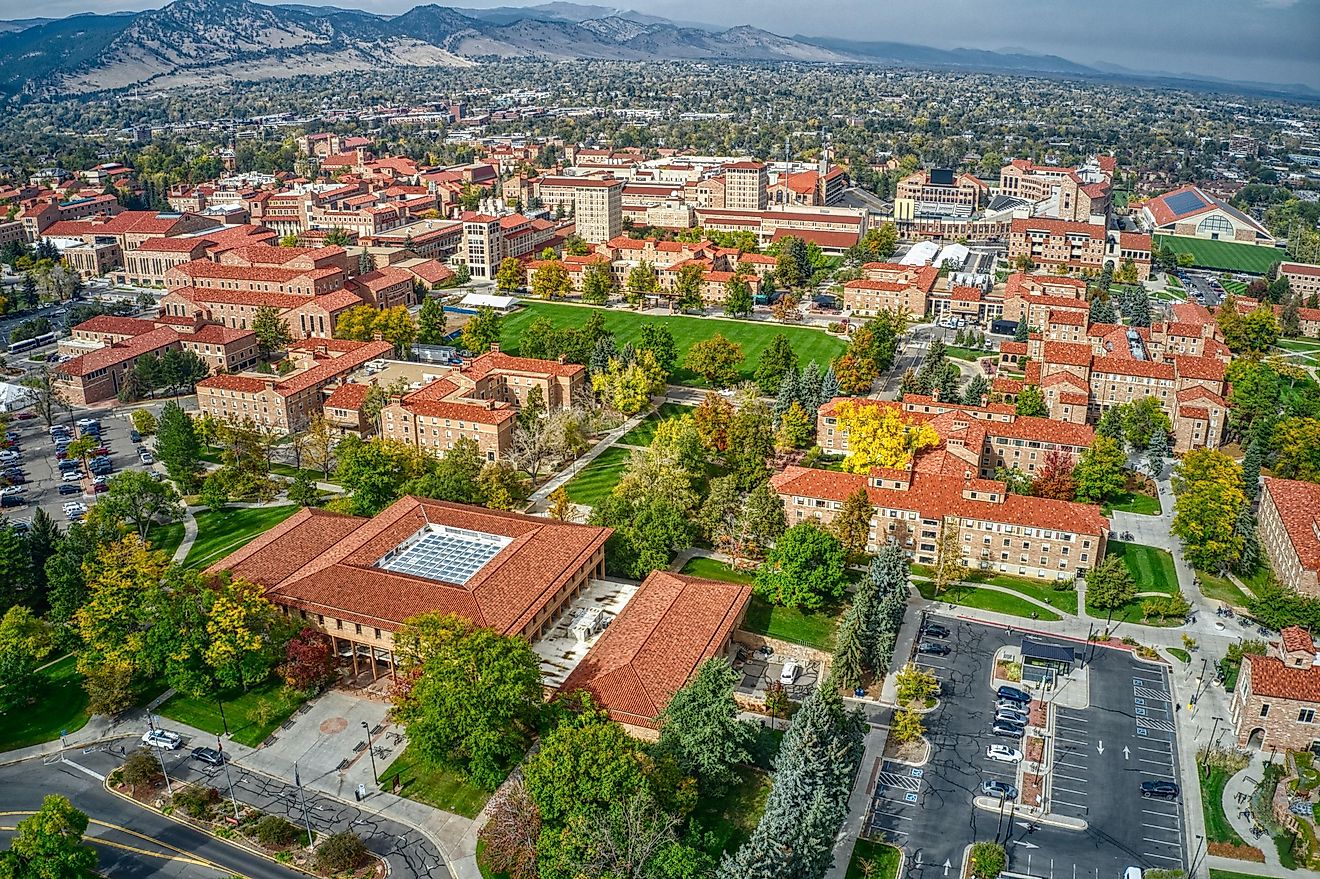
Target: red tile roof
(155, 340)
(1209, 368)
(1067, 317)
(214, 334)
(172, 245)
(1057, 227)
(1298, 504)
(115, 326)
(1296, 639)
(491, 360)
(669, 628)
(1300, 268)
(327, 564)
(1272, 678)
(349, 395)
(1067, 353)
(384, 278)
(835, 240)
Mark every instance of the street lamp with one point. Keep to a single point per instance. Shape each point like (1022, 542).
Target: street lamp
(223, 721)
(374, 777)
(224, 762)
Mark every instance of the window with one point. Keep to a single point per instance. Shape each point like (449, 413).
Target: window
(1306, 715)
(1265, 710)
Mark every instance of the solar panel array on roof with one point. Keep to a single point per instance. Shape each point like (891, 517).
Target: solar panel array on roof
(438, 552)
(1185, 202)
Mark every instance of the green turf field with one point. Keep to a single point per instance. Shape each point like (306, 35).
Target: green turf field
(1152, 569)
(1225, 255)
(753, 336)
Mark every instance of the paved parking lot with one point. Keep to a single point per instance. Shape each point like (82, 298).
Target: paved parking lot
(1101, 756)
(41, 470)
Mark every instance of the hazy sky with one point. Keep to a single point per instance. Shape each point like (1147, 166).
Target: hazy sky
(1243, 40)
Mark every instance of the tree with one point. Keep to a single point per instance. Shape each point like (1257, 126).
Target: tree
(977, 392)
(751, 442)
(1099, 471)
(848, 651)
(907, 727)
(1142, 419)
(510, 833)
(689, 284)
(793, 265)
(396, 326)
(340, 853)
(482, 330)
(25, 642)
(916, 685)
(852, 525)
(310, 661)
(881, 243)
(737, 295)
(49, 844)
(949, 565)
(712, 418)
(598, 283)
(785, 308)
(46, 396)
(1109, 584)
(1156, 453)
(879, 436)
(1022, 332)
(1260, 330)
(855, 374)
(177, 446)
(659, 340)
(561, 507)
(776, 361)
(642, 282)
(795, 428)
(357, 324)
(716, 360)
(551, 280)
(431, 322)
(1208, 498)
(1112, 421)
(700, 727)
(15, 569)
(628, 387)
(271, 330)
(144, 422)
(1297, 449)
(1031, 402)
(1055, 479)
(805, 569)
(988, 860)
(139, 499)
(511, 275)
(244, 633)
(1102, 311)
(468, 696)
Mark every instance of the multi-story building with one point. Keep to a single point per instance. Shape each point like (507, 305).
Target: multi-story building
(1071, 194)
(287, 403)
(598, 209)
(940, 192)
(1051, 243)
(483, 245)
(99, 245)
(886, 286)
(1189, 211)
(1277, 698)
(41, 213)
(745, 186)
(1303, 279)
(1032, 298)
(1289, 518)
(151, 261)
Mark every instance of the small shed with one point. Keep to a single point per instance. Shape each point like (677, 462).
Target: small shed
(13, 397)
(1056, 658)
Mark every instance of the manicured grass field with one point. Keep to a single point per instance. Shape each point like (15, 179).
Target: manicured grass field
(220, 533)
(1064, 600)
(728, 821)
(166, 538)
(1179, 654)
(242, 711)
(61, 705)
(1224, 255)
(753, 336)
(598, 478)
(642, 434)
(785, 623)
(434, 785)
(1304, 346)
(1217, 828)
(972, 354)
(987, 599)
(1237, 288)
(1222, 589)
(1131, 502)
(1152, 569)
(882, 857)
(1230, 874)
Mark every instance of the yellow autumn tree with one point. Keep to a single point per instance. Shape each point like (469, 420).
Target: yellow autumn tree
(879, 436)
(111, 622)
(239, 633)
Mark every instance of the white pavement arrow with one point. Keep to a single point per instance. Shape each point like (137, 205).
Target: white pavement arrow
(1100, 746)
(947, 865)
(1126, 753)
(1025, 844)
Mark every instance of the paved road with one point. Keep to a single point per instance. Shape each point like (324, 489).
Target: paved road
(160, 847)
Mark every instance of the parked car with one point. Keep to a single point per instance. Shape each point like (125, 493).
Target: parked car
(11, 500)
(100, 451)
(147, 458)
(1014, 694)
(98, 487)
(71, 476)
(1003, 753)
(933, 648)
(788, 676)
(1008, 730)
(935, 630)
(162, 738)
(69, 488)
(69, 464)
(7, 455)
(1011, 716)
(209, 756)
(1159, 790)
(134, 436)
(1000, 790)
(12, 489)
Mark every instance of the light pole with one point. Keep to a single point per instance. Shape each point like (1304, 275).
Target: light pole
(374, 777)
(1210, 745)
(1200, 841)
(161, 757)
(224, 761)
(1000, 829)
(223, 721)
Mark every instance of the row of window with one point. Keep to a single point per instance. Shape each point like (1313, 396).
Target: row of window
(1304, 715)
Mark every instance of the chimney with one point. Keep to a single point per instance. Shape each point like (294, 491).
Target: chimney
(494, 347)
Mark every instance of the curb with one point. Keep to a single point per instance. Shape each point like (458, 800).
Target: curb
(990, 804)
(10, 761)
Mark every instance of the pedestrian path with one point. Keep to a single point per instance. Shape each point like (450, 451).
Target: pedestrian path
(539, 497)
(1237, 796)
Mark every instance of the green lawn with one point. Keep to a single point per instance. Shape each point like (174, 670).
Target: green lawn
(728, 821)
(598, 478)
(987, 599)
(967, 353)
(642, 434)
(1237, 288)
(1217, 828)
(1303, 346)
(242, 711)
(1224, 255)
(883, 858)
(1064, 600)
(166, 538)
(434, 785)
(1131, 502)
(1222, 589)
(1131, 613)
(1179, 654)
(61, 705)
(785, 623)
(753, 336)
(1230, 874)
(220, 533)
(1152, 569)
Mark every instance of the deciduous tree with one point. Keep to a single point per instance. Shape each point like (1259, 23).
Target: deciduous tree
(701, 728)
(716, 360)
(271, 330)
(49, 845)
(1208, 488)
(1030, 401)
(551, 280)
(878, 436)
(140, 500)
(805, 569)
(431, 322)
(1099, 471)
(482, 330)
(852, 525)
(776, 361)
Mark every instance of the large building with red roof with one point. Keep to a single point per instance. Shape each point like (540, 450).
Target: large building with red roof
(887, 286)
(1289, 518)
(1277, 698)
(1190, 212)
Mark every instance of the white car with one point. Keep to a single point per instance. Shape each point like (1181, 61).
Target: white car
(162, 738)
(71, 476)
(12, 489)
(74, 507)
(7, 455)
(1003, 753)
(788, 676)
(146, 458)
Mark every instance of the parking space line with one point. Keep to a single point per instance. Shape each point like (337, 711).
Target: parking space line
(1167, 753)
(1070, 741)
(1177, 860)
(1058, 802)
(1068, 790)
(1156, 762)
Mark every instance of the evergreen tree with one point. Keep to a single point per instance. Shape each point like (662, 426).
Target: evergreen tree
(1157, 452)
(700, 727)
(950, 383)
(15, 570)
(1137, 307)
(847, 668)
(1111, 423)
(43, 539)
(777, 360)
(788, 392)
(177, 445)
(431, 322)
(977, 391)
(1245, 527)
(605, 349)
(809, 386)
(1102, 311)
(829, 385)
(1251, 471)
(1021, 333)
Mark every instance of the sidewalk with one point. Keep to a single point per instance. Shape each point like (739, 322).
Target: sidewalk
(542, 494)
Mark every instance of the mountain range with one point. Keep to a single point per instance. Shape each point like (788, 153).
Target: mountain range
(201, 42)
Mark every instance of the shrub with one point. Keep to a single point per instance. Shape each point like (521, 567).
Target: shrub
(340, 852)
(141, 769)
(273, 831)
(988, 860)
(196, 801)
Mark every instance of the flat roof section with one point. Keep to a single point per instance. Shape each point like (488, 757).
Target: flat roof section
(444, 553)
(579, 627)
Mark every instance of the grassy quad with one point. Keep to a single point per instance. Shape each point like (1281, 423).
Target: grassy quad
(165, 538)
(784, 623)
(642, 434)
(598, 478)
(753, 336)
(1062, 600)
(252, 716)
(432, 784)
(1132, 502)
(220, 533)
(60, 706)
(1152, 569)
(1224, 255)
(987, 599)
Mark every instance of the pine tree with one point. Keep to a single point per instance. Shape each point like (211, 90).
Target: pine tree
(788, 392)
(1111, 423)
(1251, 471)
(1245, 527)
(829, 385)
(809, 382)
(1102, 311)
(847, 668)
(701, 728)
(1157, 452)
(977, 391)
(1021, 333)
(431, 322)
(43, 539)
(177, 445)
(601, 354)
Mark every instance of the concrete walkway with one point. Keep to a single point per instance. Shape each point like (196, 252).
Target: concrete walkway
(537, 502)
(1237, 793)
(189, 535)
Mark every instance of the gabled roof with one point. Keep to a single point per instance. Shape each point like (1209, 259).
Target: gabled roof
(1298, 504)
